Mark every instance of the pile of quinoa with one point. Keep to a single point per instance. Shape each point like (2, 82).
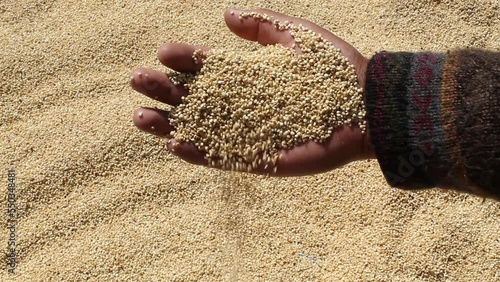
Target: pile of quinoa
(99, 200)
(245, 106)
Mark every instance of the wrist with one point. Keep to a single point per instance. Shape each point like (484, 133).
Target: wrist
(368, 152)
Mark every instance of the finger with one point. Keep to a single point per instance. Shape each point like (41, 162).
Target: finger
(157, 85)
(265, 33)
(187, 151)
(154, 121)
(179, 57)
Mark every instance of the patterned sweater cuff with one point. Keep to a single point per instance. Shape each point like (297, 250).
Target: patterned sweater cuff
(434, 120)
(403, 106)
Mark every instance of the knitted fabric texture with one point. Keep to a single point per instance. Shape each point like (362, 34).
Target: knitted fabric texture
(434, 119)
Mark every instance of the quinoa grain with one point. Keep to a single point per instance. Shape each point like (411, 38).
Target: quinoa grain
(246, 105)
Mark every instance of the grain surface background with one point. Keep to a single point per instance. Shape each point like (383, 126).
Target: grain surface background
(98, 200)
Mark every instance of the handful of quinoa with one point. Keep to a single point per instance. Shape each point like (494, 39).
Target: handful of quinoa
(245, 106)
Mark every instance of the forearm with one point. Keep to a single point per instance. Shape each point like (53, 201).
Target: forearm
(434, 119)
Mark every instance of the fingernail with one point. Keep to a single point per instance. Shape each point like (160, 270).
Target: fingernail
(135, 78)
(149, 83)
(172, 144)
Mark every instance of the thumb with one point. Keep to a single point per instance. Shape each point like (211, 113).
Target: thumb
(264, 32)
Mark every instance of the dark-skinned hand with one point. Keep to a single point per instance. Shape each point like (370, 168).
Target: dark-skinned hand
(345, 145)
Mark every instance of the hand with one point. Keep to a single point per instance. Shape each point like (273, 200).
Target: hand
(346, 143)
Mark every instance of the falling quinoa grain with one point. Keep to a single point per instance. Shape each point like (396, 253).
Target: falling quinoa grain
(244, 107)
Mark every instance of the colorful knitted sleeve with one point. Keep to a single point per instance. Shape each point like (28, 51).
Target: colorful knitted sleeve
(434, 119)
